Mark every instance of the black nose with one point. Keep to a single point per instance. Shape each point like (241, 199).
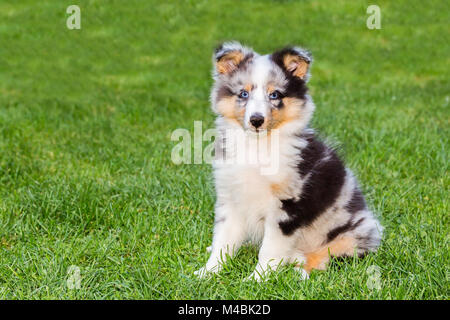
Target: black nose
(257, 120)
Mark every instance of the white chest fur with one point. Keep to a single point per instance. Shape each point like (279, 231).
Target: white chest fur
(254, 175)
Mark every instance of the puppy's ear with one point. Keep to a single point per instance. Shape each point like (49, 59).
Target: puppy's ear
(229, 56)
(295, 61)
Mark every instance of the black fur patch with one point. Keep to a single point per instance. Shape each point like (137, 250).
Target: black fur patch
(342, 229)
(321, 189)
(296, 87)
(222, 92)
(356, 203)
(311, 154)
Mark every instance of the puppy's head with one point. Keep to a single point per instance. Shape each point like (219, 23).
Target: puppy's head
(261, 92)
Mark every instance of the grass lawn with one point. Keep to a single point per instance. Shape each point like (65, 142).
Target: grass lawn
(86, 178)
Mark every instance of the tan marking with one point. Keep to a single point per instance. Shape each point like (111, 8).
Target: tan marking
(229, 61)
(270, 88)
(318, 259)
(227, 107)
(290, 111)
(296, 65)
(248, 87)
(278, 189)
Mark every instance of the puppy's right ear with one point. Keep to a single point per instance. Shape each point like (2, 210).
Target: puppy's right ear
(295, 61)
(229, 56)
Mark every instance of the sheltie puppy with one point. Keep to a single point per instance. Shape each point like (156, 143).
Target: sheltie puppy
(307, 207)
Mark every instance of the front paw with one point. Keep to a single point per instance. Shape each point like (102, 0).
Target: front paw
(303, 274)
(206, 271)
(201, 273)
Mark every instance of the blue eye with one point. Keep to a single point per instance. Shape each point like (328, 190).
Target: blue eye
(243, 94)
(274, 95)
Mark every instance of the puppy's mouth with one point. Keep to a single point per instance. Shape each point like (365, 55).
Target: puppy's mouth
(256, 131)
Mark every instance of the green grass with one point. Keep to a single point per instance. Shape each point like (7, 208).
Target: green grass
(85, 121)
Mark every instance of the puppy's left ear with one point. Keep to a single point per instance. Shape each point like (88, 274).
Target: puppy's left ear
(229, 56)
(295, 61)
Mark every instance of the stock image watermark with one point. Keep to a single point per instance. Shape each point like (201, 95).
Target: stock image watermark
(374, 279)
(73, 277)
(73, 22)
(374, 19)
(228, 147)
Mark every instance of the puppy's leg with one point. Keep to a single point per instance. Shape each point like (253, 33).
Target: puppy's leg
(229, 234)
(277, 249)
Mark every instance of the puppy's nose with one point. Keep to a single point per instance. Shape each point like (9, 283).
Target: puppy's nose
(257, 120)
